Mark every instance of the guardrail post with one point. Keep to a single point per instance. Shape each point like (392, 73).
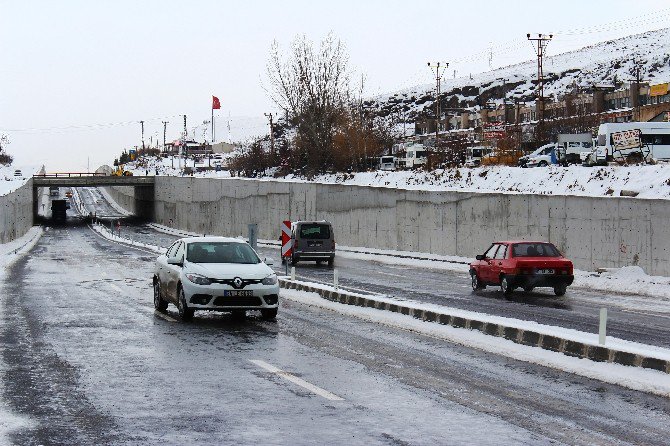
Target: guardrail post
(292, 272)
(336, 279)
(602, 331)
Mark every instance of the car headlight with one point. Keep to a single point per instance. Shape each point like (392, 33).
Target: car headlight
(198, 279)
(270, 280)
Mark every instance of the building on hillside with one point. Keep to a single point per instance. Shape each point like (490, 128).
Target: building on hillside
(599, 104)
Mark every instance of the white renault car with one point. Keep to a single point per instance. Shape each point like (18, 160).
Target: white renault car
(215, 273)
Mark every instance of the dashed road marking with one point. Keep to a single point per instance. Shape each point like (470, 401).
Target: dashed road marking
(295, 380)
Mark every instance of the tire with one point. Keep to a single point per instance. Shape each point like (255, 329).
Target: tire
(159, 303)
(476, 283)
(269, 314)
(559, 290)
(528, 289)
(543, 164)
(331, 262)
(505, 286)
(185, 313)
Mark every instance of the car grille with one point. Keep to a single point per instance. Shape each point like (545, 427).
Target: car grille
(246, 301)
(231, 282)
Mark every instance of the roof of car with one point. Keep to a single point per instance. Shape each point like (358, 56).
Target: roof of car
(212, 239)
(522, 241)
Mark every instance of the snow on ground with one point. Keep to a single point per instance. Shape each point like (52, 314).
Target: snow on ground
(649, 181)
(635, 378)
(10, 253)
(10, 182)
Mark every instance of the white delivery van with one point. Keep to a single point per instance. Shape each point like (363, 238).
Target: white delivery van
(387, 162)
(415, 156)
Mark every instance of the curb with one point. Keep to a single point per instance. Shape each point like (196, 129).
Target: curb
(517, 335)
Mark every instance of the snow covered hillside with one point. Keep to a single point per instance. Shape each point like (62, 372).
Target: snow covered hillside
(611, 62)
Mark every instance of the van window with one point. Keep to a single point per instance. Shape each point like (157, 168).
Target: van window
(315, 231)
(602, 140)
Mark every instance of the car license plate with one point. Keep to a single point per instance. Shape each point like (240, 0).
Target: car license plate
(314, 244)
(238, 293)
(545, 271)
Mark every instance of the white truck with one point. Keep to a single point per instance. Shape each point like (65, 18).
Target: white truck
(386, 162)
(655, 140)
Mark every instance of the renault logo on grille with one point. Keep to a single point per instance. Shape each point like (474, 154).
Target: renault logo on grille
(237, 282)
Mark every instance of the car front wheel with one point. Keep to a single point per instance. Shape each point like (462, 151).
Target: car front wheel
(159, 303)
(505, 286)
(185, 313)
(559, 290)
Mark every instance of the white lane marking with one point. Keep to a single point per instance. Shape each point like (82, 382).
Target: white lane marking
(116, 288)
(295, 380)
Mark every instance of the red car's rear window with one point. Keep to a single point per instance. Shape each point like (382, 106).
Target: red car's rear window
(535, 250)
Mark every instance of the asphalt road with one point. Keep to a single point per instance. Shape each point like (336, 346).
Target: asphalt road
(634, 318)
(87, 360)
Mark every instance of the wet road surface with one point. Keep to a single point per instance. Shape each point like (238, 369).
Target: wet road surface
(88, 361)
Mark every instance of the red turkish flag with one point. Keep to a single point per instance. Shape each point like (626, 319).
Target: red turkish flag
(216, 104)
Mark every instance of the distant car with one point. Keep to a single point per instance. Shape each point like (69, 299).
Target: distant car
(18, 173)
(215, 273)
(313, 240)
(522, 264)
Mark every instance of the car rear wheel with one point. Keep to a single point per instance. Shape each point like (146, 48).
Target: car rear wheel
(505, 286)
(185, 313)
(559, 290)
(268, 313)
(543, 164)
(476, 283)
(331, 261)
(159, 302)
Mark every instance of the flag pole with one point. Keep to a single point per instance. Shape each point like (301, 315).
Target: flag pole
(212, 123)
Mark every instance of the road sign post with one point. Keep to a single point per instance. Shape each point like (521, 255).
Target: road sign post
(253, 235)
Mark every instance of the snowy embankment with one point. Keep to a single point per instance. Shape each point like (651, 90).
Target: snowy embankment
(651, 181)
(9, 182)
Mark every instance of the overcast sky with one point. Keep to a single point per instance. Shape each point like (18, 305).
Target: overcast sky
(76, 77)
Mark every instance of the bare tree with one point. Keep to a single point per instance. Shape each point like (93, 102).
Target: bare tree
(5, 158)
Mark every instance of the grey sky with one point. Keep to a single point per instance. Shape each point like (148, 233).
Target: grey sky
(98, 67)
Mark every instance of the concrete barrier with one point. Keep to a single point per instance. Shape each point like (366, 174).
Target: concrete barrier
(16, 212)
(517, 335)
(594, 232)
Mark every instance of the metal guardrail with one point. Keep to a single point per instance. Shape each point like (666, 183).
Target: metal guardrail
(70, 174)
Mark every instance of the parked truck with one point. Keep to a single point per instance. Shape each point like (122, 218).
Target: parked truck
(59, 211)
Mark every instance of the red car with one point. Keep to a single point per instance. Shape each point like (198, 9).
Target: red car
(522, 264)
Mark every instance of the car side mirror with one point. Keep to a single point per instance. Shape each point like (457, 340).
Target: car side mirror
(480, 257)
(268, 261)
(175, 261)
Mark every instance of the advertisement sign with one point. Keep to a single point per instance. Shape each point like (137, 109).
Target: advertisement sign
(494, 130)
(658, 90)
(629, 139)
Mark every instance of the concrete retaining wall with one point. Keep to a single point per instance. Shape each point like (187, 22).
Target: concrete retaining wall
(594, 232)
(16, 212)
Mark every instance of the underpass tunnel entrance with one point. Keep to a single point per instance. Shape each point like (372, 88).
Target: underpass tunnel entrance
(74, 206)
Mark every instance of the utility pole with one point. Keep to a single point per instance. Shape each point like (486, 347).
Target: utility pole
(438, 69)
(638, 80)
(142, 124)
(272, 132)
(540, 44)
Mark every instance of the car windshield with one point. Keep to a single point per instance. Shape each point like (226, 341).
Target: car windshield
(220, 252)
(315, 231)
(535, 250)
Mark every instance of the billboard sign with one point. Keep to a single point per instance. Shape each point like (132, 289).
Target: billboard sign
(629, 139)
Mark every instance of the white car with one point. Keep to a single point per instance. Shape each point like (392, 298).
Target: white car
(215, 273)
